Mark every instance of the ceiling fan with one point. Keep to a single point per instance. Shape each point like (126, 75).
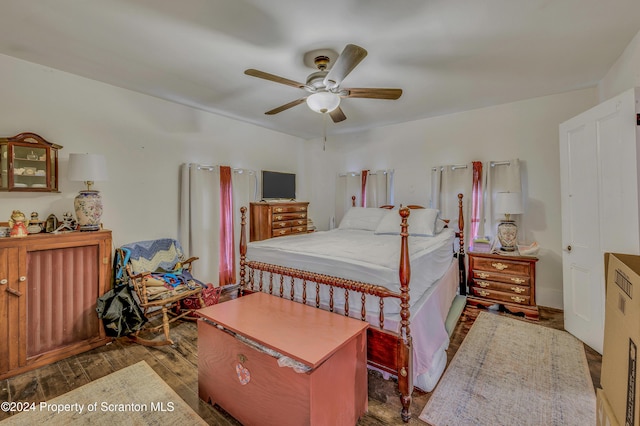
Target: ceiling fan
(324, 85)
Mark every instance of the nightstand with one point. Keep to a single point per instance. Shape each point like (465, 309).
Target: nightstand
(506, 280)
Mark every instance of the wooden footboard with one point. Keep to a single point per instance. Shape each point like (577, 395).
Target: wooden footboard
(386, 350)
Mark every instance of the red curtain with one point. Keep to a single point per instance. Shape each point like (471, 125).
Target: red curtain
(363, 197)
(476, 199)
(227, 253)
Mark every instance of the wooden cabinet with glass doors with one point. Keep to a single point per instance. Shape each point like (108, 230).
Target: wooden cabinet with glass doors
(28, 163)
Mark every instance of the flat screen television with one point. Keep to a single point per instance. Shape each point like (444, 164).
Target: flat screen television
(278, 185)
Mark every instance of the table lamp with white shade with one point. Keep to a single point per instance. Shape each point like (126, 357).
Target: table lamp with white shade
(508, 203)
(88, 168)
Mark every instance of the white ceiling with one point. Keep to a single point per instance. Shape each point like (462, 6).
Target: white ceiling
(446, 55)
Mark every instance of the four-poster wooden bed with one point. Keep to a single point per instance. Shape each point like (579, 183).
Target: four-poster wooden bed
(390, 351)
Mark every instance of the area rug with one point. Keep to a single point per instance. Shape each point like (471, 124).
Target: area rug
(134, 395)
(510, 372)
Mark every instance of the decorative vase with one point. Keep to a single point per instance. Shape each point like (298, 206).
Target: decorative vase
(88, 206)
(508, 235)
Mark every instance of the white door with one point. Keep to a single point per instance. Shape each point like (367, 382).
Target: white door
(599, 186)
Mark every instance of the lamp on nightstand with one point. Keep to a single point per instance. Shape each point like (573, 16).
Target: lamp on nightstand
(508, 203)
(88, 168)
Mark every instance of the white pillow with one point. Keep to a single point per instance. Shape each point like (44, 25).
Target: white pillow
(362, 218)
(422, 223)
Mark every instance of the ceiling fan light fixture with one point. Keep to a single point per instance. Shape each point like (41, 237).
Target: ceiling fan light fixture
(323, 102)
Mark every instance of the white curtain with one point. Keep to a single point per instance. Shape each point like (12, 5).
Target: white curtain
(199, 220)
(501, 176)
(379, 191)
(379, 188)
(446, 183)
(347, 185)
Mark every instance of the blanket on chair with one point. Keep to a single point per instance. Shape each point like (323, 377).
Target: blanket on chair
(159, 255)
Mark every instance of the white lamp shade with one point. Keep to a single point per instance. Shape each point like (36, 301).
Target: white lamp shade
(323, 102)
(87, 167)
(509, 203)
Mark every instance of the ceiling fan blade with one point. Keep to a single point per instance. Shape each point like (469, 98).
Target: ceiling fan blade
(346, 62)
(272, 77)
(337, 115)
(391, 94)
(286, 106)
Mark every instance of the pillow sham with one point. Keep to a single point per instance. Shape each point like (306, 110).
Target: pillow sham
(365, 218)
(422, 223)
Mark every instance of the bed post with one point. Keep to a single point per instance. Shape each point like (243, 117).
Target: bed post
(405, 355)
(461, 254)
(243, 248)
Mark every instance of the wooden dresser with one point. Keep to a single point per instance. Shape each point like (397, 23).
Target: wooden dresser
(506, 280)
(49, 284)
(258, 385)
(275, 219)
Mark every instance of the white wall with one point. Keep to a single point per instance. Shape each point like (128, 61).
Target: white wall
(144, 139)
(624, 73)
(527, 130)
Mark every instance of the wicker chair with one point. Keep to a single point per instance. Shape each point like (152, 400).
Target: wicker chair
(161, 278)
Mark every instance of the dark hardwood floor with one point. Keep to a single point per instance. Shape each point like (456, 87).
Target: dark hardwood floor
(178, 367)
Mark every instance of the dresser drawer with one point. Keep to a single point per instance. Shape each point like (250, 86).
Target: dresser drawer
(280, 232)
(289, 209)
(523, 280)
(298, 229)
(499, 296)
(508, 266)
(289, 223)
(507, 288)
(288, 216)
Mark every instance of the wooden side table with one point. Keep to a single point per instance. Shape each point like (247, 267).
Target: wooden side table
(506, 280)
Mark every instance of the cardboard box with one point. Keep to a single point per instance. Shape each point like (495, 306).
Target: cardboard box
(604, 413)
(619, 375)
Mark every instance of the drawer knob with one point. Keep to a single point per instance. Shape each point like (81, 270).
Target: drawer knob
(3, 281)
(518, 280)
(303, 209)
(278, 209)
(518, 289)
(484, 275)
(518, 299)
(483, 284)
(484, 293)
(282, 232)
(278, 217)
(22, 279)
(499, 266)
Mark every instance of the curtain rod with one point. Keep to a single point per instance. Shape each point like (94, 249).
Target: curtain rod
(211, 168)
(384, 172)
(500, 163)
(454, 167)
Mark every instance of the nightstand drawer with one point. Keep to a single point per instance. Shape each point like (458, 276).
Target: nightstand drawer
(499, 296)
(523, 280)
(506, 266)
(506, 288)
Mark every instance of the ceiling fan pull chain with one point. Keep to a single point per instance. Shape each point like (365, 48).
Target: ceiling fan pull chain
(324, 131)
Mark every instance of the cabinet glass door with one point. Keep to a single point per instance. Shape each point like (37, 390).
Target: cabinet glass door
(30, 166)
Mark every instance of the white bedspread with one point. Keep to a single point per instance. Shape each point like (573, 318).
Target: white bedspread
(361, 256)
